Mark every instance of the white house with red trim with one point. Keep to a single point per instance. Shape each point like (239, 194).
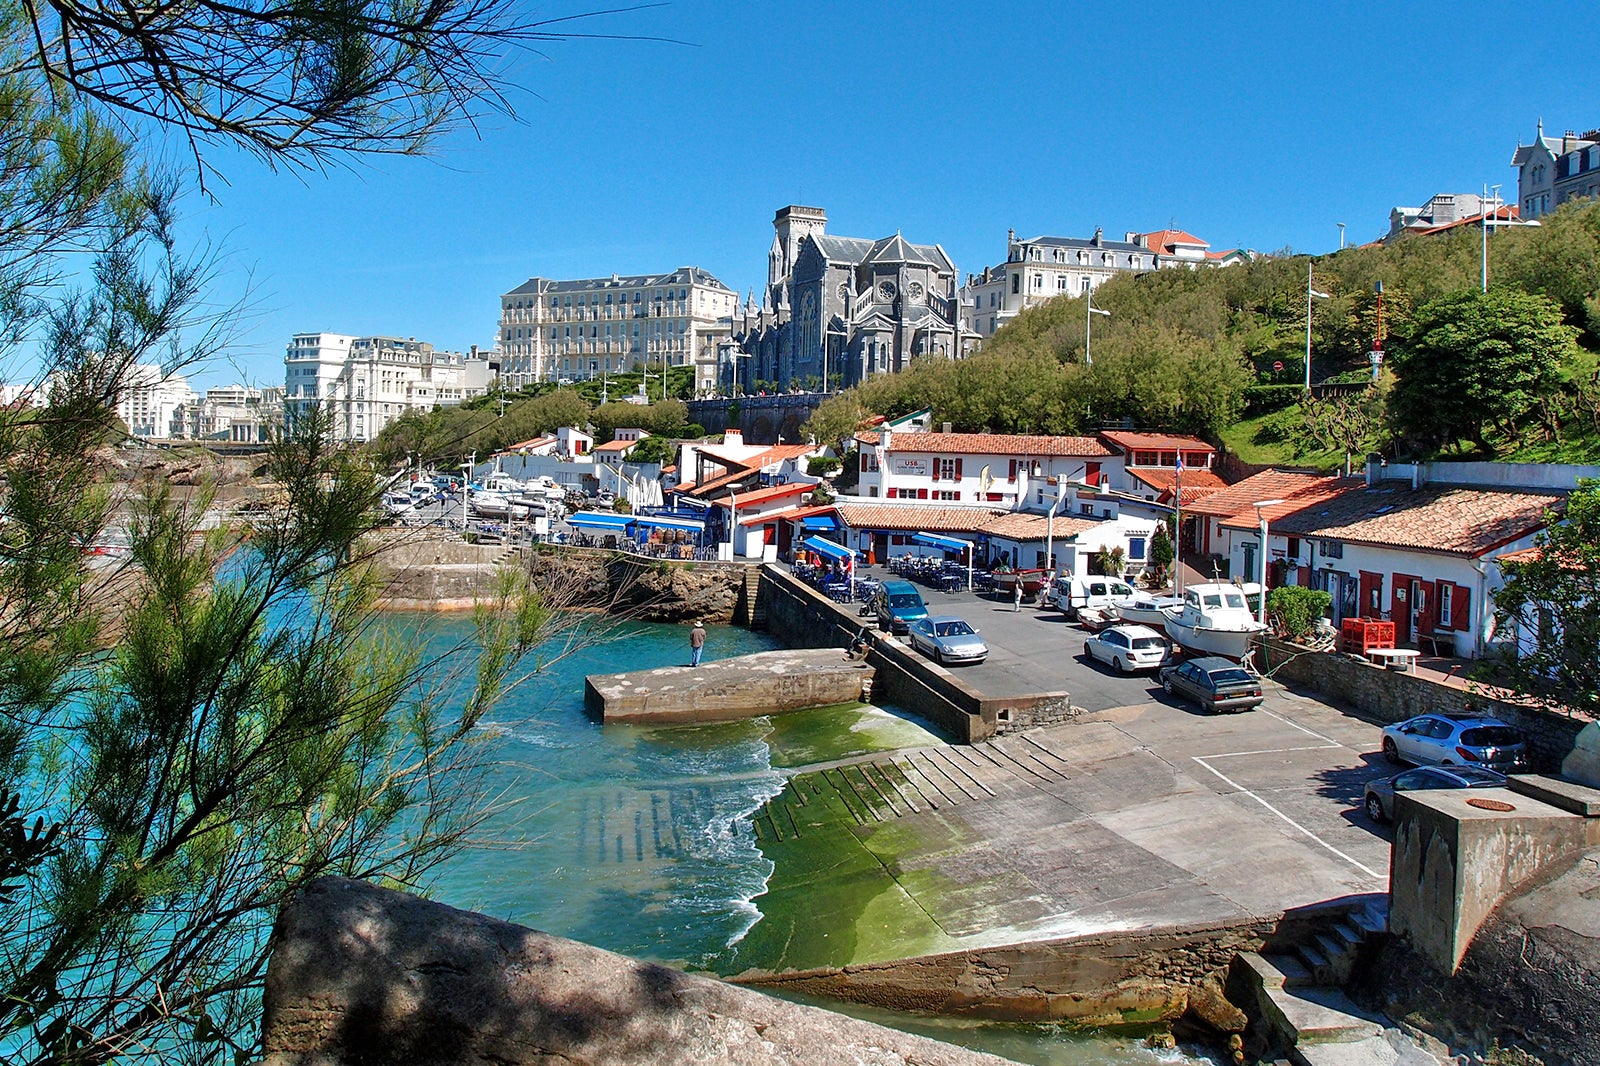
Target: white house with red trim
(1417, 544)
(993, 469)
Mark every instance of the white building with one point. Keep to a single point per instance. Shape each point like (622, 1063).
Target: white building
(1553, 170)
(574, 330)
(368, 382)
(980, 468)
(150, 400)
(226, 412)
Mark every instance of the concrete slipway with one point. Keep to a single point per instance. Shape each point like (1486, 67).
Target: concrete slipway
(1134, 820)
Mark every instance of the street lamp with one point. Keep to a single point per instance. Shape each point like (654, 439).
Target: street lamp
(1310, 293)
(1089, 309)
(1261, 603)
(1486, 223)
(1341, 235)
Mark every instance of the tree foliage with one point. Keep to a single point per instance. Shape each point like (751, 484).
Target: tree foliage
(1474, 360)
(1552, 601)
(1297, 609)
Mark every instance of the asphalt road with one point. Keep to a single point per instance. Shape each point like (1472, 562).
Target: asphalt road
(1036, 650)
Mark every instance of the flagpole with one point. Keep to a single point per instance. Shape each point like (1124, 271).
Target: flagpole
(1177, 527)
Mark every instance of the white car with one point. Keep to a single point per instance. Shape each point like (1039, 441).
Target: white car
(1128, 648)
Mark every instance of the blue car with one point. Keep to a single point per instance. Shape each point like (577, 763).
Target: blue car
(1456, 740)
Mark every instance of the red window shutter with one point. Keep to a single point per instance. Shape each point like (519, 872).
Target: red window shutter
(1460, 601)
(922, 494)
(958, 469)
(1091, 471)
(863, 461)
(1013, 475)
(889, 492)
(934, 466)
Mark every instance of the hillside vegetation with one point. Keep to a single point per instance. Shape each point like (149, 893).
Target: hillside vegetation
(1509, 374)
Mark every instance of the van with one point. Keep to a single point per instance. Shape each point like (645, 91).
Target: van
(898, 604)
(1072, 594)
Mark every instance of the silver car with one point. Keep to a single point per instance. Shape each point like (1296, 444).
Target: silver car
(1379, 801)
(1456, 739)
(1128, 648)
(948, 640)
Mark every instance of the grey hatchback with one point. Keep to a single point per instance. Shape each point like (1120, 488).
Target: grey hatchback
(1456, 739)
(1215, 683)
(1380, 793)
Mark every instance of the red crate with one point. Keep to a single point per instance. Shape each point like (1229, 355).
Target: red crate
(1360, 635)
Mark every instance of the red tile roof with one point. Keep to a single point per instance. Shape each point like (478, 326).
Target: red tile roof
(1162, 240)
(1155, 442)
(615, 446)
(1267, 485)
(1449, 519)
(996, 444)
(773, 492)
(790, 514)
(922, 518)
(1523, 555)
(1197, 484)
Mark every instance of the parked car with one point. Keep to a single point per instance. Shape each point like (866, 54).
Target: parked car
(898, 604)
(1215, 683)
(1072, 594)
(1128, 648)
(1379, 801)
(947, 640)
(1461, 739)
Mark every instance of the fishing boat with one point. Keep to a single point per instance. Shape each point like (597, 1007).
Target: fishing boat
(1006, 580)
(1214, 619)
(1147, 610)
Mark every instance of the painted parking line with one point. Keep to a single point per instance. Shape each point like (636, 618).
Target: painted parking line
(1201, 759)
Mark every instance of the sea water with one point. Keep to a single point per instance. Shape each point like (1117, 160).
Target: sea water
(639, 840)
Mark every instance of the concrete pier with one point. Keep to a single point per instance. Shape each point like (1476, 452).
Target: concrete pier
(723, 690)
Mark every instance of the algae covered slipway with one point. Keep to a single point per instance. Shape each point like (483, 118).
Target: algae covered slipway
(727, 848)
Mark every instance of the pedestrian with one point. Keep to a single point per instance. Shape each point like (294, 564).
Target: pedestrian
(697, 643)
(1016, 594)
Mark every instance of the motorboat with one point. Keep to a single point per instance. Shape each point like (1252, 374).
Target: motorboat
(1214, 619)
(1146, 610)
(490, 504)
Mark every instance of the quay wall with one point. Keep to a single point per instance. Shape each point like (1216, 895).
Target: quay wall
(1133, 977)
(802, 617)
(1388, 696)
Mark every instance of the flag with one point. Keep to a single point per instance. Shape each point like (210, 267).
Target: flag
(1180, 462)
(985, 479)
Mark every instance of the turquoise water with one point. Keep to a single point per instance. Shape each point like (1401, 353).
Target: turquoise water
(639, 841)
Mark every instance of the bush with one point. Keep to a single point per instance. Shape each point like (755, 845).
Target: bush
(1297, 608)
(1264, 399)
(1108, 563)
(823, 466)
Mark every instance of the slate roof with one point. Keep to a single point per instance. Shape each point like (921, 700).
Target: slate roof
(1267, 485)
(1155, 442)
(1086, 242)
(682, 276)
(997, 444)
(1448, 519)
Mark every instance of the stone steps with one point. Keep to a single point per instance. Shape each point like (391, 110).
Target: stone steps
(750, 611)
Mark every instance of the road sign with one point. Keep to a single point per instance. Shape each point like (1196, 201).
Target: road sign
(1278, 365)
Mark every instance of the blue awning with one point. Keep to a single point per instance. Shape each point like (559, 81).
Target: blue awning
(828, 548)
(661, 521)
(608, 521)
(949, 544)
(820, 522)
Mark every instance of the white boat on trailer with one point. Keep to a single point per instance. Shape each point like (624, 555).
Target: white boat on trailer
(1214, 619)
(1146, 610)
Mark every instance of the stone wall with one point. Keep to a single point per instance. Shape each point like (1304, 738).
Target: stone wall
(1110, 979)
(360, 974)
(802, 617)
(648, 589)
(1391, 696)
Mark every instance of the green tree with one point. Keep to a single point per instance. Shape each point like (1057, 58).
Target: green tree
(188, 739)
(663, 450)
(1472, 361)
(1162, 553)
(1552, 603)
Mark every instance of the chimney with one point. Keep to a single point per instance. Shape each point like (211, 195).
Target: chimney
(1375, 465)
(944, 427)
(734, 437)
(1097, 235)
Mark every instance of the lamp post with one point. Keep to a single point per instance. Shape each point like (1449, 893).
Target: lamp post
(1310, 294)
(466, 479)
(1089, 310)
(1341, 235)
(1261, 516)
(1486, 223)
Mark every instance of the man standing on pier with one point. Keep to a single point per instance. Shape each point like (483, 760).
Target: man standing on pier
(697, 643)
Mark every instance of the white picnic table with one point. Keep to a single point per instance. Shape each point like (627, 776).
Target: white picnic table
(1404, 659)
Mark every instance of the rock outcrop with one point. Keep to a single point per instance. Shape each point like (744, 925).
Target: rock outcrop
(366, 975)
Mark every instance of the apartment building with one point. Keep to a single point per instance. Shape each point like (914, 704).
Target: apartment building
(151, 399)
(1553, 170)
(368, 382)
(574, 330)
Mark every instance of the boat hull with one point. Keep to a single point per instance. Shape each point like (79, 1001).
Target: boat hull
(1148, 613)
(1228, 643)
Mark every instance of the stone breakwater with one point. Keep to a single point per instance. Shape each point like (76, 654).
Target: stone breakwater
(428, 572)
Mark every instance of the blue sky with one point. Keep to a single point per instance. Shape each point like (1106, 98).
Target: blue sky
(1247, 123)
